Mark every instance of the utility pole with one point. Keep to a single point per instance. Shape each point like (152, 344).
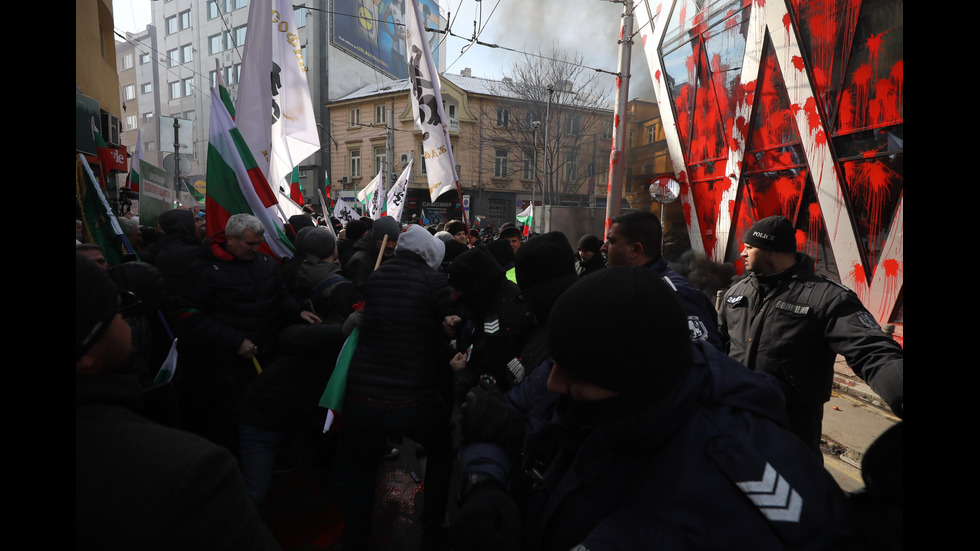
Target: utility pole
(547, 156)
(617, 157)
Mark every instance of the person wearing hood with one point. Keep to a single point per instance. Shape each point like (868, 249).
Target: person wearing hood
(397, 383)
(589, 255)
(648, 441)
(493, 326)
(230, 321)
(175, 250)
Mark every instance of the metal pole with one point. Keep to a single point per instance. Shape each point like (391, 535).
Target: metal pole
(176, 161)
(547, 156)
(617, 158)
(534, 164)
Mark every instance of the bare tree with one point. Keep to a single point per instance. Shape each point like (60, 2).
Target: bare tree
(573, 133)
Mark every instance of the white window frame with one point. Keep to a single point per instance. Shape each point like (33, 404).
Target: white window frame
(500, 157)
(354, 117)
(129, 92)
(354, 156)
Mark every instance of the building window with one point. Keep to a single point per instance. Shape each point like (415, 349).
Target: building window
(380, 114)
(631, 138)
(131, 122)
(241, 4)
(214, 44)
(171, 24)
(299, 14)
(451, 110)
(189, 86)
(175, 90)
(607, 129)
(185, 19)
(149, 146)
(213, 9)
(354, 118)
(213, 78)
(571, 166)
(422, 159)
(144, 59)
(573, 125)
(239, 37)
(129, 92)
(528, 165)
(380, 156)
(173, 57)
(503, 117)
(127, 62)
(146, 88)
(186, 53)
(355, 163)
(499, 163)
(148, 117)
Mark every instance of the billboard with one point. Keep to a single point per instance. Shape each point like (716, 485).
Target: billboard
(373, 31)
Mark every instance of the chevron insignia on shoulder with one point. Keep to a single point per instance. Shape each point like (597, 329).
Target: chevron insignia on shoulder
(491, 325)
(774, 496)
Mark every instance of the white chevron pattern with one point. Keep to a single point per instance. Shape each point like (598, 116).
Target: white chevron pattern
(774, 496)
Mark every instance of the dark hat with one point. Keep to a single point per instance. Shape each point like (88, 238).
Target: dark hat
(453, 249)
(502, 251)
(143, 280)
(96, 301)
(319, 242)
(775, 233)
(473, 271)
(355, 229)
(386, 225)
(510, 231)
(639, 321)
(300, 221)
(545, 268)
(455, 227)
(475, 233)
(177, 222)
(589, 242)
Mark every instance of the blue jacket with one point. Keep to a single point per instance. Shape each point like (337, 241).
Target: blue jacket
(709, 466)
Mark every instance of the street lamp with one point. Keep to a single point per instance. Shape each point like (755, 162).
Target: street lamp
(534, 162)
(547, 157)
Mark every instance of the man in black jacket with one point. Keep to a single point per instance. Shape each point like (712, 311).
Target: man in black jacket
(397, 383)
(786, 321)
(368, 248)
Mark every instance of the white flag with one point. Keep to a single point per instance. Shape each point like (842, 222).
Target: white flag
(440, 165)
(275, 112)
(365, 195)
(343, 212)
(396, 197)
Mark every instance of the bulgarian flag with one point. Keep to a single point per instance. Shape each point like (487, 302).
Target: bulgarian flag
(333, 395)
(295, 191)
(223, 91)
(235, 183)
(526, 218)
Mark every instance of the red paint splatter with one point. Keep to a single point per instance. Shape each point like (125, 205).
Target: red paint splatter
(875, 43)
(820, 138)
(643, 40)
(787, 22)
(657, 75)
(798, 63)
(857, 274)
(619, 82)
(891, 267)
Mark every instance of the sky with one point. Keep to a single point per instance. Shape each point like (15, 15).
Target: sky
(589, 27)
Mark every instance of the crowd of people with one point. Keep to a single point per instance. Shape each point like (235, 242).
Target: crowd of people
(585, 399)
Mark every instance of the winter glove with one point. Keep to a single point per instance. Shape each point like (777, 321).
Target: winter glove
(486, 417)
(488, 520)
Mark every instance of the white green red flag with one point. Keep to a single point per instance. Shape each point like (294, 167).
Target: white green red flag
(526, 217)
(235, 183)
(275, 111)
(295, 191)
(423, 76)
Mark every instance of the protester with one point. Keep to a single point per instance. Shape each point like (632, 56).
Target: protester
(786, 321)
(367, 250)
(648, 441)
(138, 484)
(589, 255)
(398, 382)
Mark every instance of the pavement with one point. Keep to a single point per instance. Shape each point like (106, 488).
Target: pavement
(305, 513)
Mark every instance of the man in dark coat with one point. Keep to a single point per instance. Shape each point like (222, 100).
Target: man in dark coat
(788, 322)
(397, 383)
(367, 249)
(589, 255)
(649, 441)
(139, 484)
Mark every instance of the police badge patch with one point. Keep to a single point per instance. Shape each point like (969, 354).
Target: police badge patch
(697, 328)
(868, 320)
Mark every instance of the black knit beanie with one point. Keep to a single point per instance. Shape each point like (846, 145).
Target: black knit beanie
(775, 233)
(96, 302)
(502, 251)
(621, 329)
(589, 242)
(474, 271)
(545, 268)
(455, 227)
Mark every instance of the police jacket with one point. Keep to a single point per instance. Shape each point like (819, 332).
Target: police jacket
(402, 351)
(710, 465)
(702, 319)
(796, 331)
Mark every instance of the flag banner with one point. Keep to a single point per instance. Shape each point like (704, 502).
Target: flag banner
(99, 224)
(327, 221)
(169, 366)
(526, 217)
(343, 212)
(197, 195)
(364, 196)
(396, 197)
(440, 165)
(235, 183)
(336, 390)
(378, 204)
(134, 164)
(295, 191)
(223, 90)
(275, 111)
